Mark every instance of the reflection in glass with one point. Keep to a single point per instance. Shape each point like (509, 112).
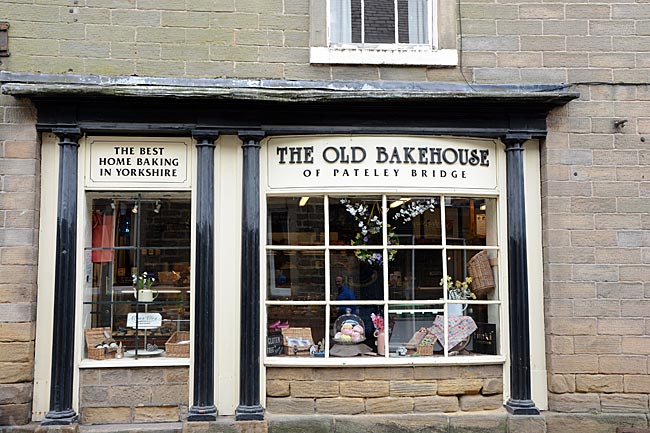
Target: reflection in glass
(355, 221)
(415, 220)
(363, 336)
(410, 324)
(297, 275)
(366, 282)
(295, 220)
(302, 322)
(470, 221)
(415, 274)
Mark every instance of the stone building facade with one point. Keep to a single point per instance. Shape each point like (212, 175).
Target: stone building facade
(594, 194)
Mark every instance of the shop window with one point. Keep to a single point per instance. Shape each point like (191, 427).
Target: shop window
(383, 32)
(382, 276)
(137, 288)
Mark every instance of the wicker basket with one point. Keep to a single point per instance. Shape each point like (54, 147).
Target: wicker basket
(425, 349)
(478, 267)
(174, 348)
(303, 334)
(95, 336)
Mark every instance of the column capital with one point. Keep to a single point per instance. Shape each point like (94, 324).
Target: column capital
(68, 135)
(205, 137)
(515, 140)
(251, 137)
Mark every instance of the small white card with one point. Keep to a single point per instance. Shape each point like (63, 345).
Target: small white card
(145, 320)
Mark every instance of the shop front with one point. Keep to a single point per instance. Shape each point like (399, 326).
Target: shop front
(288, 250)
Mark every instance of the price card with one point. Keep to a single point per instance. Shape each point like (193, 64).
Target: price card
(145, 320)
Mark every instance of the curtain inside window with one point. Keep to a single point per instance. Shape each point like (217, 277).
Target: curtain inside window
(341, 21)
(417, 21)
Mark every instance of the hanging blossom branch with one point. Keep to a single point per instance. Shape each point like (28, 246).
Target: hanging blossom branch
(369, 224)
(415, 208)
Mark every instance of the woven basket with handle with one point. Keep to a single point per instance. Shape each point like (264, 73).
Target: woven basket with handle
(478, 267)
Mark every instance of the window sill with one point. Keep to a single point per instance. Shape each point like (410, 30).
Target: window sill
(131, 362)
(381, 362)
(383, 56)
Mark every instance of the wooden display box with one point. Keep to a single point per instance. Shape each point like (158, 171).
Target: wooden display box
(95, 336)
(297, 341)
(175, 348)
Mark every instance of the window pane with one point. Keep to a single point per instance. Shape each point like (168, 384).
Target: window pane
(364, 281)
(415, 274)
(353, 333)
(133, 235)
(379, 21)
(345, 21)
(410, 335)
(355, 221)
(295, 221)
(412, 21)
(305, 324)
(415, 221)
(463, 265)
(470, 221)
(464, 322)
(296, 275)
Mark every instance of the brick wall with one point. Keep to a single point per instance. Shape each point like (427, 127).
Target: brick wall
(596, 200)
(372, 390)
(125, 395)
(19, 185)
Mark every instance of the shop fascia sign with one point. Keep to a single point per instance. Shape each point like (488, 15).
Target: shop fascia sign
(388, 162)
(142, 162)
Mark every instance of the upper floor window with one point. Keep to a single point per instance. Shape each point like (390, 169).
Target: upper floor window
(392, 32)
(380, 22)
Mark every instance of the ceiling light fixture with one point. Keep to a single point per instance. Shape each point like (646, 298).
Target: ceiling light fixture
(303, 201)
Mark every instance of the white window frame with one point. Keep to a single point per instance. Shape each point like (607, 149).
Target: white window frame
(439, 51)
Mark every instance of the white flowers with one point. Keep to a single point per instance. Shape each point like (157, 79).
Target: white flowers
(143, 281)
(415, 208)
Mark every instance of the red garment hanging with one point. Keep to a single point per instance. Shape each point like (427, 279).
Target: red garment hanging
(102, 237)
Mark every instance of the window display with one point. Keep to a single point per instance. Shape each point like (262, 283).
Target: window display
(383, 276)
(137, 288)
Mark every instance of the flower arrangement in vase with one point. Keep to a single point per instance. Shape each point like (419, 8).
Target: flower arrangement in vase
(142, 287)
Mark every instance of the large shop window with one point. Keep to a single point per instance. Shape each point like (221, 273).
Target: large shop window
(137, 288)
(382, 276)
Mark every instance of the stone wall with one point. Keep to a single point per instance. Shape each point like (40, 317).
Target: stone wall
(19, 218)
(596, 209)
(125, 395)
(376, 390)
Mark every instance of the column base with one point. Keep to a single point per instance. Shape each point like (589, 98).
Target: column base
(202, 413)
(65, 417)
(249, 413)
(521, 407)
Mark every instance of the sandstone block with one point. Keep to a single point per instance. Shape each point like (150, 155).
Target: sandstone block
(573, 364)
(16, 393)
(339, 374)
(574, 402)
(170, 394)
(436, 403)
(130, 394)
(156, 414)
(636, 383)
(147, 376)
(17, 332)
(314, 388)
(479, 423)
(177, 374)
(15, 414)
(459, 386)
(601, 423)
(622, 364)
(599, 383)
(632, 403)
(299, 424)
(13, 372)
(277, 388)
(562, 383)
(412, 388)
(16, 352)
(526, 424)
(294, 406)
(286, 373)
(389, 405)
(492, 386)
(94, 394)
(340, 405)
(368, 388)
(391, 424)
(105, 415)
(471, 403)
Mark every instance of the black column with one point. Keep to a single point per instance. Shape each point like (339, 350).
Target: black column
(203, 408)
(65, 279)
(519, 402)
(249, 361)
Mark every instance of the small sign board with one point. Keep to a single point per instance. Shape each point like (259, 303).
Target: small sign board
(145, 320)
(485, 338)
(274, 344)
